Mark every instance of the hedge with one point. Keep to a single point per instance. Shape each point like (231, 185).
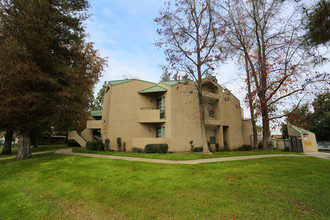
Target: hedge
(156, 148)
(95, 145)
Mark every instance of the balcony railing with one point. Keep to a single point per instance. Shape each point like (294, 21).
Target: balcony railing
(94, 124)
(161, 110)
(151, 115)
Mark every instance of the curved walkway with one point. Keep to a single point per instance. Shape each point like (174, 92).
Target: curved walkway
(68, 151)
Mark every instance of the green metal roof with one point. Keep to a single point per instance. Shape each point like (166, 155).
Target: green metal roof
(153, 89)
(300, 130)
(170, 83)
(96, 113)
(117, 82)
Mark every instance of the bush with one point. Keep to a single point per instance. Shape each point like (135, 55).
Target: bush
(260, 145)
(107, 144)
(226, 148)
(198, 149)
(119, 144)
(95, 145)
(244, 147)
(124, 146)
(156, 148)
(137, 150)
(191, 146)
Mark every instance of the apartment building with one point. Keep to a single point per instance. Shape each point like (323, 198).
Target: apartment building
(142, 112)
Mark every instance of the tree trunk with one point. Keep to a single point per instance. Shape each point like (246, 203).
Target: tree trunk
(23, 150)
(265, 130)
(8, 139)
(255, 134)
(202, 123)
(253, 121)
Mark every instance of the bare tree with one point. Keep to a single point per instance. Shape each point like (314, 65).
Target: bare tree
(270, 43)
(191, 31)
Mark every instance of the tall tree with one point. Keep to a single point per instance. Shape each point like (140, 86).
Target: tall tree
(8, 139)
(299, 116)
(98, 103)
(321, 117)
(317, 23)
(166, 75)
(271, 42)
(191, 35)
(47, 70)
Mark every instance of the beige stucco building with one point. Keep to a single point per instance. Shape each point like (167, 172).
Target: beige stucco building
(143, 113)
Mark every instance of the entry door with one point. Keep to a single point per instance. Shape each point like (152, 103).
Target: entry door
(296, 144)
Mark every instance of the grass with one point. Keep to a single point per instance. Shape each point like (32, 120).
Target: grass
(53, 186)
(33, 150)
(181, 156)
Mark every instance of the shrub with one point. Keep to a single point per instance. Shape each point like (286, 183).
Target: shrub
(95, 145)
(163, 148)
(156, 148)
(217, 147)
(107, 144)
(124, 146)
(119, 144)
(260, 145)
(137, 150)
(191, 146)
(226, 148)
(244, 147)
(198, 149)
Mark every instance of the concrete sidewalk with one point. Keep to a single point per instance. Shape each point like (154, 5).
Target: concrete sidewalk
(68, 151)
(319, 155)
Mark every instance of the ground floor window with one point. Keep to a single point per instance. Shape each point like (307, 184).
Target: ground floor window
(96, 134)
(212, 136)
(160, 132)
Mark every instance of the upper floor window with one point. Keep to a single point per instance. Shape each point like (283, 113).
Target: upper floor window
(161, 106)
(211, 110)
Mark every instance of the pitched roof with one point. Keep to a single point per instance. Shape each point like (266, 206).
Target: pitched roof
(173, 82)
(96, 113)
(300, 130)
(155, 88)
(118, 82)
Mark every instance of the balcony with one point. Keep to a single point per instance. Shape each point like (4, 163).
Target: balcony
(211, 95)
(212, 121)
(94, 124)
(151, 115)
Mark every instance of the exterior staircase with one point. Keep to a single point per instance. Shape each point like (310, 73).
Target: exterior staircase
(73, 135)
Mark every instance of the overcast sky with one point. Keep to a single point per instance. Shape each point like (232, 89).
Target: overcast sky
(124, 31)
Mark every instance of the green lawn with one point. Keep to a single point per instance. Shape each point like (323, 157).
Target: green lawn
(181, 156)
(39, 149)
(72, 187)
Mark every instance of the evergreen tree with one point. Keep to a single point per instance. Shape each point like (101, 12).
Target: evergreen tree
(47, 70)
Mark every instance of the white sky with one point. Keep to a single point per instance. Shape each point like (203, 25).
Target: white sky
(124, 31)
